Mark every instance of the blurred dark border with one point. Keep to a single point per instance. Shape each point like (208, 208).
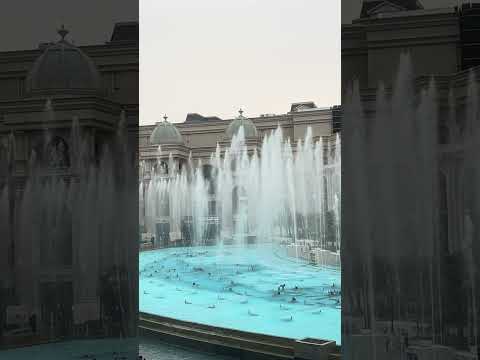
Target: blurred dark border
(69, 110)
(410, 179)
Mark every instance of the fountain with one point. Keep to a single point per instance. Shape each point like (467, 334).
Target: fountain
(410, 172)
(273, 194)
(64, 250)
(261, 252)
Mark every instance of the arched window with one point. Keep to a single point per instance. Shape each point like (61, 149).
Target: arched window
(208, 172)
(212, 208)
(239, 199)
(161, 168)
(164, 207)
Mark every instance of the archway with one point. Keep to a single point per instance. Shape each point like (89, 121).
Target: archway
(239, 199)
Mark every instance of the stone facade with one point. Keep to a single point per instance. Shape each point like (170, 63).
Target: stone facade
(440, 41)
(434, 40)
(442, 61)
(43, 93)
(371, 46)
(197, 139)
(202, 134)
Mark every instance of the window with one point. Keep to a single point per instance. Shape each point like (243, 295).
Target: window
(212, 208)
(115, 83)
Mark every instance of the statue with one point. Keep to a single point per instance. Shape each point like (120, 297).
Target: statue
(58, 153)
(163, 169)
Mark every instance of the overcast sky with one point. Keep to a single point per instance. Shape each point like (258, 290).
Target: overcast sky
(215, 56)
(207, 56)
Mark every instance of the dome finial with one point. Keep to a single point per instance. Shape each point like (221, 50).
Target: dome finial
(250, 130)
(62, 32)
(165, 117)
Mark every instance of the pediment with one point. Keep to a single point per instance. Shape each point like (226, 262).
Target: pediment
(384, 7)
(303, 107)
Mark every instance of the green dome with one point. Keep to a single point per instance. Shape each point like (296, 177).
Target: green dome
(63, 67)
(249, 127)
(166, 133)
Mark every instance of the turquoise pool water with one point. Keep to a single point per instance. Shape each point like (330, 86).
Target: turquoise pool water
(237, 288)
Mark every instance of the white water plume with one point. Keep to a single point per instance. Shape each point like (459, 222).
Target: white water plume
(276, 192)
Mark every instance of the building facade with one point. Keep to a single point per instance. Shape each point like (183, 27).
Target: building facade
(200, 135)
(166, 145)
(439, 41)
(61, 108)
(412, 76)
(441, 45)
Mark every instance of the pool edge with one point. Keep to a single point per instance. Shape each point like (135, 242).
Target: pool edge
(236, 343)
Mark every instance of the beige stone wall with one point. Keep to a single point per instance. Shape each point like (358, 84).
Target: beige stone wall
(202, 138)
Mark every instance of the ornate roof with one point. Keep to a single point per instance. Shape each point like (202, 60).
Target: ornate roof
(249, 127)
(166, 133)
(61, 67)
(370, 7)
(306, 105)
(125, 32)
(197, 118)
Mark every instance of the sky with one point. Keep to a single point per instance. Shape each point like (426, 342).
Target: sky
(215, 56)
(207, 56)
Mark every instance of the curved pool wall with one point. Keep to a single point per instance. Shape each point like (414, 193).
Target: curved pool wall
(237, 287)
(98, 349)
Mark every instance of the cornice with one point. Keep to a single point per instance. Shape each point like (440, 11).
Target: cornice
(61, 124)
(402, 21)
(443, 83)
(28, 105)
(16, 56)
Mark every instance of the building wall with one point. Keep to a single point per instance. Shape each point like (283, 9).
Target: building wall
(371, 47)
(117, 64)
(371, 51)
(201, 138)
(70, 262)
